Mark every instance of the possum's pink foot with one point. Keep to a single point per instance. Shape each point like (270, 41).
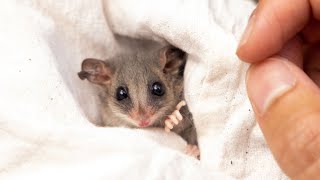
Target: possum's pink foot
(174, 118)
(193, 150)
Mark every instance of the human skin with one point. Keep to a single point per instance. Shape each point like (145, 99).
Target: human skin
(282, 43)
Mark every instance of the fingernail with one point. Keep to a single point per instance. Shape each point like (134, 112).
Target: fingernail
(267, 81)
(247, 32)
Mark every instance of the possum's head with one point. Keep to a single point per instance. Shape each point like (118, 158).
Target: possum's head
(140, 90)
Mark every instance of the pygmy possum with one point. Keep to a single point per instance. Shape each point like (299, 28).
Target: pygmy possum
(143, 89)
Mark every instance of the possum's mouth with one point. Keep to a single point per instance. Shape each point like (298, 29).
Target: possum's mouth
(147, 122)
(141, 122)
(154, 118)
(144, 123)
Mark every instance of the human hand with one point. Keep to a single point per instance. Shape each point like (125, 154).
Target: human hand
(282, 41)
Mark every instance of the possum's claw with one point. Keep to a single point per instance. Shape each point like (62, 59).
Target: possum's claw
(174, 118)
(193, 151)
(180, 104)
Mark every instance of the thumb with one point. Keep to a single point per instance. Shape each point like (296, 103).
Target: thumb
(286, 104)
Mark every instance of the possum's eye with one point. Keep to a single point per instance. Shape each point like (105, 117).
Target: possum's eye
(122, 93)
(157, 89)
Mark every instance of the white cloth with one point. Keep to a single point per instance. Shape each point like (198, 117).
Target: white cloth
(45, 131)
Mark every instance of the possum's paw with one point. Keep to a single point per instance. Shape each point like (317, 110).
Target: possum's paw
(174, 118)
(193, 150)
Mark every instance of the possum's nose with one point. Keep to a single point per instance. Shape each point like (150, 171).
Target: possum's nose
(142, 116)
(143, 120)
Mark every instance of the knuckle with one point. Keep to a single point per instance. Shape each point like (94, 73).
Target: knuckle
(301, 145)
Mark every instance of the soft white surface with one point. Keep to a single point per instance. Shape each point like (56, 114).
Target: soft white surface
(45, 108)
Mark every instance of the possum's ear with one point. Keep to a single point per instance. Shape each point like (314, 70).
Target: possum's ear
(96, 71)
(172, 59)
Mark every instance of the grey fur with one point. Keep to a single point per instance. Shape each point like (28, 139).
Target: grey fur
(137, 71)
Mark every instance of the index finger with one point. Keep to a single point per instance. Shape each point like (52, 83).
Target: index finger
(272, 24)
